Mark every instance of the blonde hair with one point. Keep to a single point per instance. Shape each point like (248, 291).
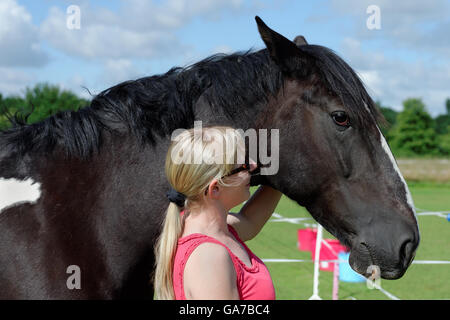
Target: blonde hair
(192, 179)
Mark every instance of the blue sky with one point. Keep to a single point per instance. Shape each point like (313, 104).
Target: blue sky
(120, 40)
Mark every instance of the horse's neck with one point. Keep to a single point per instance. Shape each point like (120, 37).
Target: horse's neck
(212, 115)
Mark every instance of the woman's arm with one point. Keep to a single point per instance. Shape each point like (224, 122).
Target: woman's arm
(255, 212)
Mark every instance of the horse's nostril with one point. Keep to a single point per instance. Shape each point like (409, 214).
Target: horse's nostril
(407, 253)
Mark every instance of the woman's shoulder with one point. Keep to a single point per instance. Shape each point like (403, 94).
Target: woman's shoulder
(210, 271)
(198, 246)
(208, 251)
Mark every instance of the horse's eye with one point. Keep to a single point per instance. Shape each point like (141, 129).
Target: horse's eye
(341, 118)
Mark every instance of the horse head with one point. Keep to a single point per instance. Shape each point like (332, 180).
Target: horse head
(334, 160)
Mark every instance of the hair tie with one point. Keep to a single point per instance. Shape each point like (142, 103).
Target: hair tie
(176, 197)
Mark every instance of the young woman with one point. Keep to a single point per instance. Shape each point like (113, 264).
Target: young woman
(201, 252)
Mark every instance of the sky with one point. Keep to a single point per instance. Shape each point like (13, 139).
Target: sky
(400, 49)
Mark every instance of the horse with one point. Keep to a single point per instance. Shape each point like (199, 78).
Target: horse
(99, 190)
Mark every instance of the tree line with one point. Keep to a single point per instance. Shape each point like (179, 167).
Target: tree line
(412, 132)
(43, 99)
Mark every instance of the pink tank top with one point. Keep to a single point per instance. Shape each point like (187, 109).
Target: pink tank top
(253, 283)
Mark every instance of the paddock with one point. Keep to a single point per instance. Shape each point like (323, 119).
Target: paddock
(293, 271)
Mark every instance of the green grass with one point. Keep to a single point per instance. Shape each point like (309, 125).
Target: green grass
(294, 280)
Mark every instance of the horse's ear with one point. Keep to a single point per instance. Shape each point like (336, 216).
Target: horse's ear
(284, 52)
(300, 41)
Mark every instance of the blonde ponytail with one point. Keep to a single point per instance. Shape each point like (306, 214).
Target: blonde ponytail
(165, 252)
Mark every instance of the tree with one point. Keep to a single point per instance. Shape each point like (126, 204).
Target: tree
(50, 99)
(11, 105)
(444, 142)
(391, 117)
(46, 99)
(443, 120)
(414, 133)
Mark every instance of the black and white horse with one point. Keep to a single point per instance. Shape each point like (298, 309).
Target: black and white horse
(96, 176)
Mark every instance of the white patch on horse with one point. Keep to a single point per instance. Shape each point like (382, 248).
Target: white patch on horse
(394, 164)
(14, 192)
(388, 151)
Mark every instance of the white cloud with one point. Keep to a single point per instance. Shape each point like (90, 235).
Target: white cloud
(392, 80)
(76, 84)
(415, 24)
(173, 14)
(13, 82)
(19, 42)
(222, 49)
(98, 40)
(368, 60)
(372, 80)
(143, 29)
(408, 56)
(119, 70)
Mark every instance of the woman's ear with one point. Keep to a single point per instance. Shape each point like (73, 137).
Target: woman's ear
(213, 189)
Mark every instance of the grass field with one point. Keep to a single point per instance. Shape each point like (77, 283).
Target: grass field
(295, 280)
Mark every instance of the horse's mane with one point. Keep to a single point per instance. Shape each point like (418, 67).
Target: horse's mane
(159, 104)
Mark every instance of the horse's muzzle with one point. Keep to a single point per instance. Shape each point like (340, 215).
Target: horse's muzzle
(391, 250)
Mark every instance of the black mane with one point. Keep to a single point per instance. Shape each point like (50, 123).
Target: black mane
(159, 104)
